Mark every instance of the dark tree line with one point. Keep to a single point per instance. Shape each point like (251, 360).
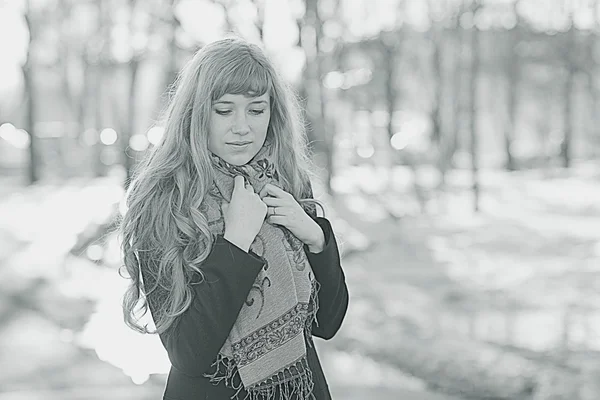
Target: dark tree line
(467, 45)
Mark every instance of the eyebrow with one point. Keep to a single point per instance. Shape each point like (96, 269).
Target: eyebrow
(231, 102)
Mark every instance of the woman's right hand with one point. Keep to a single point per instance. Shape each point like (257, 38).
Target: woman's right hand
(244, 215)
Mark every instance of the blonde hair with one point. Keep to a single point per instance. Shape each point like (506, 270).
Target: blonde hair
(163, 232)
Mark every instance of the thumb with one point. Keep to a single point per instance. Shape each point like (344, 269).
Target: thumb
(238, 182)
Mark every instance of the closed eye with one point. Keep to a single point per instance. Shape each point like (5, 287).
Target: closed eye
(223, 112)
(257, 112)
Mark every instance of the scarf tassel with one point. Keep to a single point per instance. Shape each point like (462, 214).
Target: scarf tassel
(228, 374)
(296, 387)
(312, 317)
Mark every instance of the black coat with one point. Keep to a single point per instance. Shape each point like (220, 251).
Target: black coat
(198, 334)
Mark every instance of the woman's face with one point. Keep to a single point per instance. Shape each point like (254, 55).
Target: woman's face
(238, 127)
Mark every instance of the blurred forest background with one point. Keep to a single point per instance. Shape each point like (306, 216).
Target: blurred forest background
(444, 83)
(458, 142)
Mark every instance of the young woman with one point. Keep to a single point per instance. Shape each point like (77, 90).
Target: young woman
(222, 242)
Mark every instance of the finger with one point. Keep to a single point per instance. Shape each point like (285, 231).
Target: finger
(274, 190)
(274, 201)
(282, 211)
(238, 182)
(277, 220)
(263, 192)
(249, 187)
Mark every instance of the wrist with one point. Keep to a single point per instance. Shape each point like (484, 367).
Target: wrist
(317, 243)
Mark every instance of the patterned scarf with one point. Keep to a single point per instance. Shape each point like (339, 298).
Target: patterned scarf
(265, 352)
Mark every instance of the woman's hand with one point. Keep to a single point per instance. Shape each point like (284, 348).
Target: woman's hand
(284, 210)
(244, 215)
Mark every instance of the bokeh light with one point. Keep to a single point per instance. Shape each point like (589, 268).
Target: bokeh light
(18, 138)
(138, 142)
(94, 252)
(399, 141)
(108, 136)
(333, 80)
(155, 134)
(365, 151)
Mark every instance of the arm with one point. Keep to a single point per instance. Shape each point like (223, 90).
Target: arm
(196, 336)
(333, 294)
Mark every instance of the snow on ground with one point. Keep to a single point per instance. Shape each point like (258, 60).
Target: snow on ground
(523, 272)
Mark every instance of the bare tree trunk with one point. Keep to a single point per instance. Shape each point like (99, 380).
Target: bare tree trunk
(103, 38)
(73, 99)
(475, 64)
(83, 103)
(510, 127)
(229, 28)
(302, 87)
(33, 172)
(83, 116)
(565, 147)
(438, 70)
(98, 102)
(512, 76)
(311, 32)
(388, 47)
(454, 131)
(441, 139)
(594, 88)
(131, 120)
(260, 23)
(172, 67)
(457, 99)
(327, 134)
(64, 55)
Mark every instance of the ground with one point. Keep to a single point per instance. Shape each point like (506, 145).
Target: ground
(518, 274)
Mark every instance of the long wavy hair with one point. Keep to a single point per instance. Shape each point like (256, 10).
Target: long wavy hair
(162, 230)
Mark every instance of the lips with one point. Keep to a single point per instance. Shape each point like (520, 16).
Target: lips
(238, 143)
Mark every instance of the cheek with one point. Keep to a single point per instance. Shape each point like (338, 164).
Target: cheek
(261, 124)
(215, 138)
(216, 131)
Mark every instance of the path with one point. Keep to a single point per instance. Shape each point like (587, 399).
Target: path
(62, 338)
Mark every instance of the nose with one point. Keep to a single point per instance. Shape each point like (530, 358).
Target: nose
(240, 124)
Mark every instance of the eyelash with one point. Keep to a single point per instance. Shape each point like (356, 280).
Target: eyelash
(227, 112)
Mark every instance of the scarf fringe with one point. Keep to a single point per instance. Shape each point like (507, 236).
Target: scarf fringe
(298, 385)
(230, 372)
(294, 385)
(312, 317)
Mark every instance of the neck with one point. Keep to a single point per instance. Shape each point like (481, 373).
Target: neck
(259, 171)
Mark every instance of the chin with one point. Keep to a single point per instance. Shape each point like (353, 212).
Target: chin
(237, 163)
(239, 159)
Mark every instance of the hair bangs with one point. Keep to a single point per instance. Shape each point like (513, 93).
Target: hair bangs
(248, 78)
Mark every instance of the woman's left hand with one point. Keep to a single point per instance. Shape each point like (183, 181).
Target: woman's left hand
(284, 210)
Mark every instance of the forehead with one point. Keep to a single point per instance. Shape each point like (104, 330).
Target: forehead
(242, 99)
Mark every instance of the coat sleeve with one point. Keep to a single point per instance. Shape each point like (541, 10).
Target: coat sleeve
(195, 338)
(333, 292)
